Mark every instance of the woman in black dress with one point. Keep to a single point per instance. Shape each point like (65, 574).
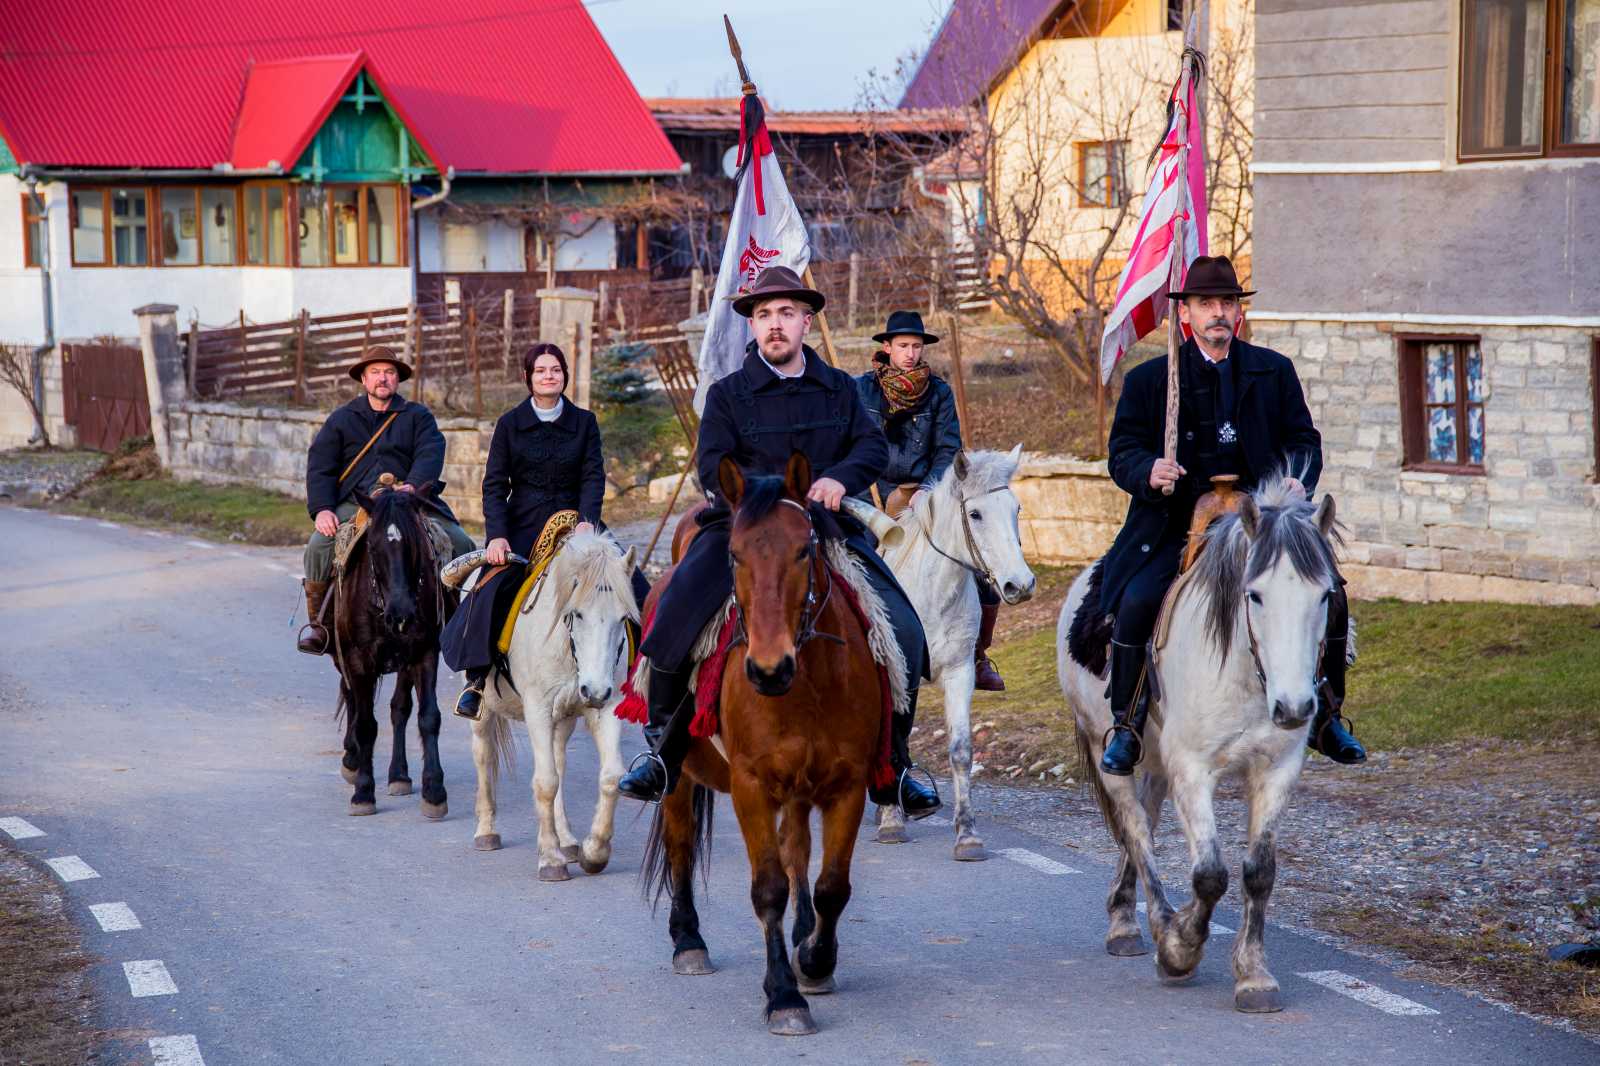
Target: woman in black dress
(544, 457)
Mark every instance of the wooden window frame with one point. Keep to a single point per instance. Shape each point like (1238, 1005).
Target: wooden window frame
(402, 233)
(1555, 42)
(290, 219)
(1084, 148)
(73, 192)
(1413, 402)
(30, 254)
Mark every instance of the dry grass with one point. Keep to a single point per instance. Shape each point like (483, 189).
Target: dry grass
(44, 998)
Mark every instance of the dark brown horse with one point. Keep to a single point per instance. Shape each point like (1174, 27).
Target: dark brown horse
(801, 716)
(389, 610)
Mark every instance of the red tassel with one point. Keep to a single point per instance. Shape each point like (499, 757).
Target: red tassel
(708, 692)
(633, 707)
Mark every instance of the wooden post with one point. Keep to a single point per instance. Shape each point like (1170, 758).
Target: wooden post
(603, 309)
(851, 307)
(933, 283)
(300, 358)
(243, 343)
(416, 351)
(472, 353)
(641, 245)
(958, 375)
(828, 353)
(193, 353)
(1174, 280)
(407, 350)
(508, 330)
(582, 363)
(697, 282)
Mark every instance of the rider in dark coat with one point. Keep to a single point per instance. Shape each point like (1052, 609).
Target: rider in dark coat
(1242, 413)
(759, 415)
(411, 449)
(916, 410)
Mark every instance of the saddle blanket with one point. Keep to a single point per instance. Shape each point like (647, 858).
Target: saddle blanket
(351, 532)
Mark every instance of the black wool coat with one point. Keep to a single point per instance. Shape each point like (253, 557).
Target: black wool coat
(538, 468)
(412, 449)
(923, 442)
(1275, 434)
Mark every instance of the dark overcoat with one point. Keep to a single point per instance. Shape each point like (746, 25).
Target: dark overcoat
(923, 442)
(1275, 434)
(412, 449)
(759, 418)
(538, 468)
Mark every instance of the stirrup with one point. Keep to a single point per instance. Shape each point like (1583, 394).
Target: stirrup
(900, 793)
(666, 776)
(326, 636)
(1105, 741)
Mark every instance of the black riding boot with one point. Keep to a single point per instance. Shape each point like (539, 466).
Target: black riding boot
(909, 794)
(470, 703)
(667, 733)
(1130, 703)
(1328, 733)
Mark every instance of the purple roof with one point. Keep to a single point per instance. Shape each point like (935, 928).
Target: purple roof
(976, 42)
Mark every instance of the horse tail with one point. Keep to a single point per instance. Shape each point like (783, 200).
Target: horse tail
(502, 745)
(655, 874)
(1102, 798)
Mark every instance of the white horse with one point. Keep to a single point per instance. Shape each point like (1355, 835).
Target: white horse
(966, 526)
(568, 657)
(1233, 693)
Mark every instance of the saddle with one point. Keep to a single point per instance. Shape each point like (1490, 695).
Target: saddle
(557, 528)
(350, 533)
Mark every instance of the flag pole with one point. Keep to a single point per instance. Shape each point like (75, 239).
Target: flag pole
(1175, 272)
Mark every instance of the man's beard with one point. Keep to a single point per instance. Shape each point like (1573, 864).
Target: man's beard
(776, 348)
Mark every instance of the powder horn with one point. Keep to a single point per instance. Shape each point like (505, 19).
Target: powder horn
(889, 532)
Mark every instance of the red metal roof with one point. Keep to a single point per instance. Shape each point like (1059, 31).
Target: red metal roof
(492, 86)
(284, 104)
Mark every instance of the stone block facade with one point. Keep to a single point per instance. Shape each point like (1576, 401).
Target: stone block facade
(1526, 529)
(1071, 509)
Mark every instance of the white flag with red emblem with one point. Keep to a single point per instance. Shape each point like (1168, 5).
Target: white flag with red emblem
(1177, 190)
(764, 230)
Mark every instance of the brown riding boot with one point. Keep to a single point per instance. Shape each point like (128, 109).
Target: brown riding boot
(989, 679)
(314, 635)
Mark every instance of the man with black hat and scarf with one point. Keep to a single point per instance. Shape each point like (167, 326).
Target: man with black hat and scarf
(782, 400)
(379, 432)
(1241, 413)
(916, 409)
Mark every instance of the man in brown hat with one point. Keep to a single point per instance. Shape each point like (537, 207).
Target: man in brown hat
(1241, 412)
(379, 432)
(782, 400)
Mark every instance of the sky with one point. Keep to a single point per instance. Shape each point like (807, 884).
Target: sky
(802, 54)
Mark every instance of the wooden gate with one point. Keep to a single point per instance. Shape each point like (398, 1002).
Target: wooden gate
(104, 394)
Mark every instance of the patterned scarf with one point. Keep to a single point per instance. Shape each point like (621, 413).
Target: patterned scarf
(903, 389)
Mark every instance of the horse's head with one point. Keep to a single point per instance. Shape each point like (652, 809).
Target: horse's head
(974, 518)
(1276, 562)
(397, 553)
(591, 576)
(774, 552)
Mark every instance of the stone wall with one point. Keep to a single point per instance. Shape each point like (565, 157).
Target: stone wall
(1526, 530)
(266, 446)
(1071, 509)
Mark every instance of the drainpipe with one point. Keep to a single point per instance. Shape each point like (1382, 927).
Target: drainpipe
(416, 238)
(49, 344)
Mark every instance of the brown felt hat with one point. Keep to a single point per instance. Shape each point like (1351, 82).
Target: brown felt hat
(1210, 275)
(774, 283)
(380, 353)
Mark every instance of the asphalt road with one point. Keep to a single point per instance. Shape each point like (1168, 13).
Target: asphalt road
(156, 724)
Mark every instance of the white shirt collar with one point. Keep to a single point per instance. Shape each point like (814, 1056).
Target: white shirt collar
(552, 414)
(797, 374)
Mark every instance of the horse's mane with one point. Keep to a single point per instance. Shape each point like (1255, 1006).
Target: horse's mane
(589, 565)
(1231, 560)
(383, 511)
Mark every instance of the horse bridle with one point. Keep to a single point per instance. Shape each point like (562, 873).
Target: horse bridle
(979, 567)
(813, 609)
(1255, 648)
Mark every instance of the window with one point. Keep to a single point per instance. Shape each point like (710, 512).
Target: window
(464, 247)
(350, 225)
(217, 213)
(1442, 393)
(130, 227)
(312, 226)
(382, 207)
(88, 209)
(180, 226)
(35, 233)
(1530, 78)
(1102, 180)
(266, 224)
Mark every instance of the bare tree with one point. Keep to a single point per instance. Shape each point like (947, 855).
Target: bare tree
(20, 364)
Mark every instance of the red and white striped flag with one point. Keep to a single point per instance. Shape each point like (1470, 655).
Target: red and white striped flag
(1177, 190)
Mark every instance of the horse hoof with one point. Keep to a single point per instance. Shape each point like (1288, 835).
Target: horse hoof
(791, 1021)
(1258, 1000)
(893, 834)
(1126, 947)
(1169, 976)
(554, 872)
(401, 787)
(822, 986)
(363, 808)
(348, 774)
(970, 851)
(572, 853)
(433, 812)
(693, 963)
(487, 842)
(592, 868)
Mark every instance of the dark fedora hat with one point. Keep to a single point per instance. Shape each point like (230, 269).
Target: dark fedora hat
(774, 283)
(905, 323)
(380, 353)
(1210, 275)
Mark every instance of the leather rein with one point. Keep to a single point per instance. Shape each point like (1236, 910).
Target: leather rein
(978, 567)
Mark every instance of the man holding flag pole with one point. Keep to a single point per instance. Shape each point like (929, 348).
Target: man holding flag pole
(1215, 409)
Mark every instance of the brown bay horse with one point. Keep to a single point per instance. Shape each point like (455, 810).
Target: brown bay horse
(800, 720)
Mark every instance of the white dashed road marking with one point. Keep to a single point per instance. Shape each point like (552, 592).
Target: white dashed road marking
(70, 517)
(20, 828)
(201, 544)
(115, 917)
(1371, 995)
(176, 1051)
(1217, 928)
(149, 977)
(1035, 861)
(71, 868)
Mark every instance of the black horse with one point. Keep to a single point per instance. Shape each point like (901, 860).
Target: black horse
(389, 610)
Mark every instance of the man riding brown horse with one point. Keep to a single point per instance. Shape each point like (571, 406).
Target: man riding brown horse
(784, 399)
(1242, 414)
(379, 432)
